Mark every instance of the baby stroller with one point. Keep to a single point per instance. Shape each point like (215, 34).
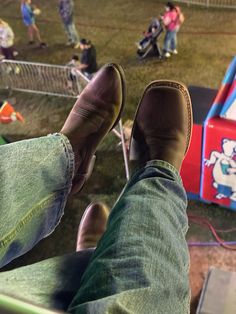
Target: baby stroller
(149, 44)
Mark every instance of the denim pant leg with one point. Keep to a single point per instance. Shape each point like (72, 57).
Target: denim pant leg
(51, 283)
(68, 34)
(141, 263)
(71, 32)
(36, 178)
(167, 41)
(173, 42)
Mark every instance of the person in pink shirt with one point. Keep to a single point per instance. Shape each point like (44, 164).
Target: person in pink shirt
(171, 23)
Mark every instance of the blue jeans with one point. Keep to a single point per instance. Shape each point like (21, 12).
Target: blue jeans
(140, 264)
(170, 41)
(71, 33)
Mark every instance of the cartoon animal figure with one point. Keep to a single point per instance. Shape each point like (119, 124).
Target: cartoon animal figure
(224, 170)
(8, 113)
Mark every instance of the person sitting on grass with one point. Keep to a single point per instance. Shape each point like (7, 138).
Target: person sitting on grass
(28, 14)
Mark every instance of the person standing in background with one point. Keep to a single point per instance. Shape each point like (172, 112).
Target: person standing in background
(28, 14)
(66, 12)
(170, 21)
(6, 40)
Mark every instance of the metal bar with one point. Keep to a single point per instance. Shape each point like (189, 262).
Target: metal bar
(125, 155)
(42, 93)
(224, 4)
(41, 78)
(34, 64)
(116, 133)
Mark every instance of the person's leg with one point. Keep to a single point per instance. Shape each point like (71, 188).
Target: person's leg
(73, 33)
(96, 112)
(37, 174)
(36, 32)
(51, 283)
(173, 42)
(141, 263)
(36, 180)
(30, 33)
(68, 33)
(167, 39)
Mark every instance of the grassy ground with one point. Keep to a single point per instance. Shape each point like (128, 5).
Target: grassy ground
(206, 47)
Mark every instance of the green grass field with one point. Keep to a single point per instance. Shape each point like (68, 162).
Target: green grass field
(206, 46)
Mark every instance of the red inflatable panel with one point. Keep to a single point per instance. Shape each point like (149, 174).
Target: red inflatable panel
(191, 168)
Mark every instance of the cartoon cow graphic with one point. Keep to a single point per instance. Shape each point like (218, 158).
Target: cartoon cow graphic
(224, 170)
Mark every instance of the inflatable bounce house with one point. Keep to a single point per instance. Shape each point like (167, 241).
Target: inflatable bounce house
(209, 168)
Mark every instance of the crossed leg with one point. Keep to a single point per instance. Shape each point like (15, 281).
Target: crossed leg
(141, 263)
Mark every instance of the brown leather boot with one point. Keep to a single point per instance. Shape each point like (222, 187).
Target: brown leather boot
(92, 226)
(163, 124)
(94, 114)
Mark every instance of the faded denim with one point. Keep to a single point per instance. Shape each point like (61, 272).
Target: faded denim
(170, 41)
(72, 33)
(36, 177)
(140, 264)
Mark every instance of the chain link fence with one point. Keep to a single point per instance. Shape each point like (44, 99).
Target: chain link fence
(230, 4)
(41, 78)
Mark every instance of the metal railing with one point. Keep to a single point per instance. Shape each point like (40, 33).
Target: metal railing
(40, 78)
(228, 4)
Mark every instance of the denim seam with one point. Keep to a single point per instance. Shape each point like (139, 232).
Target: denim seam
(70, 157)
(10, 236)
(164, 164)
(69, 170)
(70, 167)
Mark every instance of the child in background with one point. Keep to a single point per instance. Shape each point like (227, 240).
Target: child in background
(151, 32)
(28, 14)
(74, 62)
(170, 21)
